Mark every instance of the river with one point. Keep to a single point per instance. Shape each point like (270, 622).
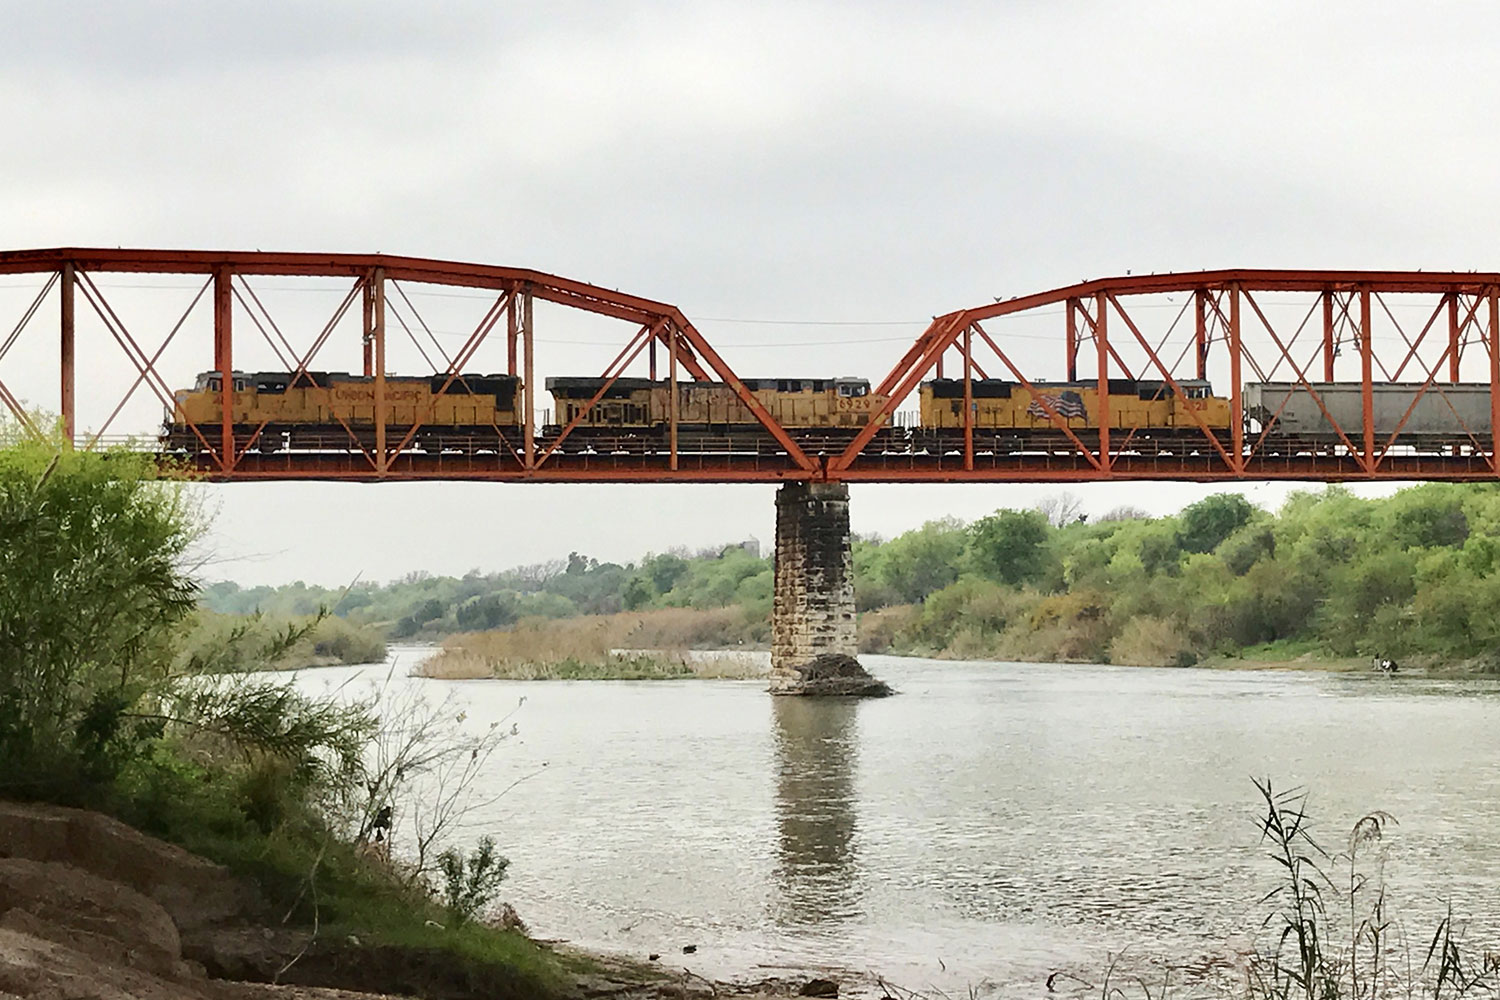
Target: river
(991, 824)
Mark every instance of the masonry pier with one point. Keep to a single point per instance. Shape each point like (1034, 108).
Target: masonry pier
(813, 639)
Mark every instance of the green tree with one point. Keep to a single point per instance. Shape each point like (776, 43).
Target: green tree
(1246, 547)
(919, 562)
(1010, 546)
(664, 571)
(490, 611)
(1428, 516)
(1205, 524)
(638, 593)
(91, 595)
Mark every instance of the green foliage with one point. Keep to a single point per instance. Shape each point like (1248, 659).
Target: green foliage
(471, 882)
(339, 641)
(663, 571)
(1428, 516)
(1010, 546)
(487, 611)
(90, 600)
(217, 643)
(1246, 547)
(1414, 575)
(1208, 522)
(919, 562)
(424, 607)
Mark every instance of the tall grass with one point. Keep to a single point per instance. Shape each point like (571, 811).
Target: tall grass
(1328, 932)
(1333, 937)
(644, 646)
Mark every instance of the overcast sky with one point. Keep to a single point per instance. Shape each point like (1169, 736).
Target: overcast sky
(809, 181)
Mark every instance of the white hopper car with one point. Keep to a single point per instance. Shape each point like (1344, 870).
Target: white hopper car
(1446, 416)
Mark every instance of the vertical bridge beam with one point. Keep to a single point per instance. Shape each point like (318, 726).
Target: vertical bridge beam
(1101, 343)
(68, 398)
(528, 390)
(1366, 378)
(375, 324)
(1200, 332)
(1236, 384)
(1492, 335)
(813, 638)
(224, 362)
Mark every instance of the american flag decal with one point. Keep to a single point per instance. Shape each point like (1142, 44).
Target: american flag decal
(1068, 405)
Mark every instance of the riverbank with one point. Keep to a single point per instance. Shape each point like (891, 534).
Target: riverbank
(93, 907)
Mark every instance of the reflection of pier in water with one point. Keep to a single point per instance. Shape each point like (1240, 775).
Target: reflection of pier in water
(815, 809)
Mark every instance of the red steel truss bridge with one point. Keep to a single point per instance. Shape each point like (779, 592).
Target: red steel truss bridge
(1305, 375)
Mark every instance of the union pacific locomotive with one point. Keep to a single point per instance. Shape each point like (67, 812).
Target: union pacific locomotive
(1009, 417)
(331, 411)
(635, 414)
(335, 411)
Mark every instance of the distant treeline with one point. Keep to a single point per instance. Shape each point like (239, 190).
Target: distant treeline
(1415, 575)
(422, 606)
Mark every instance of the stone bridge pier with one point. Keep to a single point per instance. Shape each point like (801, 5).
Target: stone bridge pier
(813, 640)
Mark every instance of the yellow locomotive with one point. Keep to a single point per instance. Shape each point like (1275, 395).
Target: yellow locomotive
(1144, 416)
(331, 411)
(635, 414)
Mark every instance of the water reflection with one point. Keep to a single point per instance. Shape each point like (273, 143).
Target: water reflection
(816, 753)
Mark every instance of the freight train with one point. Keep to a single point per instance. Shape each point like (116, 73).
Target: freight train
(475, 414)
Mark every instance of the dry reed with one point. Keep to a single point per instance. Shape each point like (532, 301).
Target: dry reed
(643, 646)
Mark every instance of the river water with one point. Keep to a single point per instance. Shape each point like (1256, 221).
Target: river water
(992, 824)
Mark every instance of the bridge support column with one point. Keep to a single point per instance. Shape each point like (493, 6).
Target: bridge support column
(813, 640)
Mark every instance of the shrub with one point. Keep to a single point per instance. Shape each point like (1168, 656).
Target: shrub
(337, 639)
(470, 883)
(91, 597)
(1152, 642)
(888, 629)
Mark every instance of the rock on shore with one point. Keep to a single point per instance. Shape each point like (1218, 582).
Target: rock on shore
(92, 909)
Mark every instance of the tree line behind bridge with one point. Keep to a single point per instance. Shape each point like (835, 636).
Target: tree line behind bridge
(1330, 574)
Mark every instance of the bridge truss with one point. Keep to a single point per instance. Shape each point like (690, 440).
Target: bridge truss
(1357, 335)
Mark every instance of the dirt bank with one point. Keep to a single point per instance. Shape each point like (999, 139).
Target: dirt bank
(91, 908)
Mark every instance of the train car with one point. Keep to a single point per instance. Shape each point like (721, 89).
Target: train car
(635, 414)
(331, 411)
(1148, 416)
(1446, 417)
